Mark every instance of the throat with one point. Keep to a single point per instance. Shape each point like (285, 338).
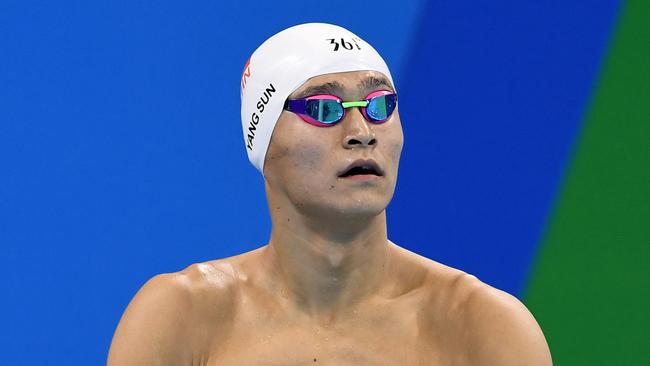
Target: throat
(322, 277)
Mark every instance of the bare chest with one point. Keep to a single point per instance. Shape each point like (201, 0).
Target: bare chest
(299, 347)
(380, 337)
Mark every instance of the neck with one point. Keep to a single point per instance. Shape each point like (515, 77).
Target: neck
(327, 266)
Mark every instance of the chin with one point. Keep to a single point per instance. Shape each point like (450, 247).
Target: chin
(355, 210)
(361, 213)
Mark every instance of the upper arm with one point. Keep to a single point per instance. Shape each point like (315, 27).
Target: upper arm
(153, 328)
(503, 331)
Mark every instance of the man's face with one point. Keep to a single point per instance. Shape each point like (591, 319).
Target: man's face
(305, 162)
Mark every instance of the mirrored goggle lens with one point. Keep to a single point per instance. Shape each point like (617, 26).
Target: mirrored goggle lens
(381, 107)
(324, 110)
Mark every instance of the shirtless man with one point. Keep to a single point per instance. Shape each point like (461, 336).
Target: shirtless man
(329, 288)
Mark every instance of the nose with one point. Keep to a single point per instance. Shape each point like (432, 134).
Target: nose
(357, 132)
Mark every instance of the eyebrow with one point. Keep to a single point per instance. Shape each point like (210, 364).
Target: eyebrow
(336, 88)
(374, 82)
(333, 87)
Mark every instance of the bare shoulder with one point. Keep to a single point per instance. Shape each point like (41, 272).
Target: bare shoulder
(488, 326)
(163, 323)
(503, 331)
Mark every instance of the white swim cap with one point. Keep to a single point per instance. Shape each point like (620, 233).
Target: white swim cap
(283, 63)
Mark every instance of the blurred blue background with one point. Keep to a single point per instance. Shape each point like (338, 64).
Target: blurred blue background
(121, 152)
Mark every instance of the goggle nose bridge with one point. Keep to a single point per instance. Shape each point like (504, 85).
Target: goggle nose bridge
(361, 103)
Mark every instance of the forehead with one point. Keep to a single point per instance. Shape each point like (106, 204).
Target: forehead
(350, 84)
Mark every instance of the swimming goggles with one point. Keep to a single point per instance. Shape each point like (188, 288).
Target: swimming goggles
(326, 110)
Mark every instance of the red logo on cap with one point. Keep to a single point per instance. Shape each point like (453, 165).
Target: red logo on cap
(246, 74)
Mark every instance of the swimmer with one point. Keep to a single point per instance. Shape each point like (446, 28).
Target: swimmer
(320, 121)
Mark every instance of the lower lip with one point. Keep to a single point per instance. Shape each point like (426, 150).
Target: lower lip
(362, 177)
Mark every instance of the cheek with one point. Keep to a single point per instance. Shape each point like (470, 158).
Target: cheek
(396, 149)
(297, 159)
(394, 145)
(308, 158)
(305, 173)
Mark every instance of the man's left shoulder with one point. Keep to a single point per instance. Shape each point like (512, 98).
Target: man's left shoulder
(501, 330)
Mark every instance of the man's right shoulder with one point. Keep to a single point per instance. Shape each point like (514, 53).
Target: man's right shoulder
(207, 286)
(163, 317)
(197, 280)
(218, 277)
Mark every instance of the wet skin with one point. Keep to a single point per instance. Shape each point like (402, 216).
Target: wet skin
(329, 288)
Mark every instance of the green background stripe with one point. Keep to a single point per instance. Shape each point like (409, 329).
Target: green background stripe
(590, 287)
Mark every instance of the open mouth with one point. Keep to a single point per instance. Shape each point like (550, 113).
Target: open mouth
(362, 168)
